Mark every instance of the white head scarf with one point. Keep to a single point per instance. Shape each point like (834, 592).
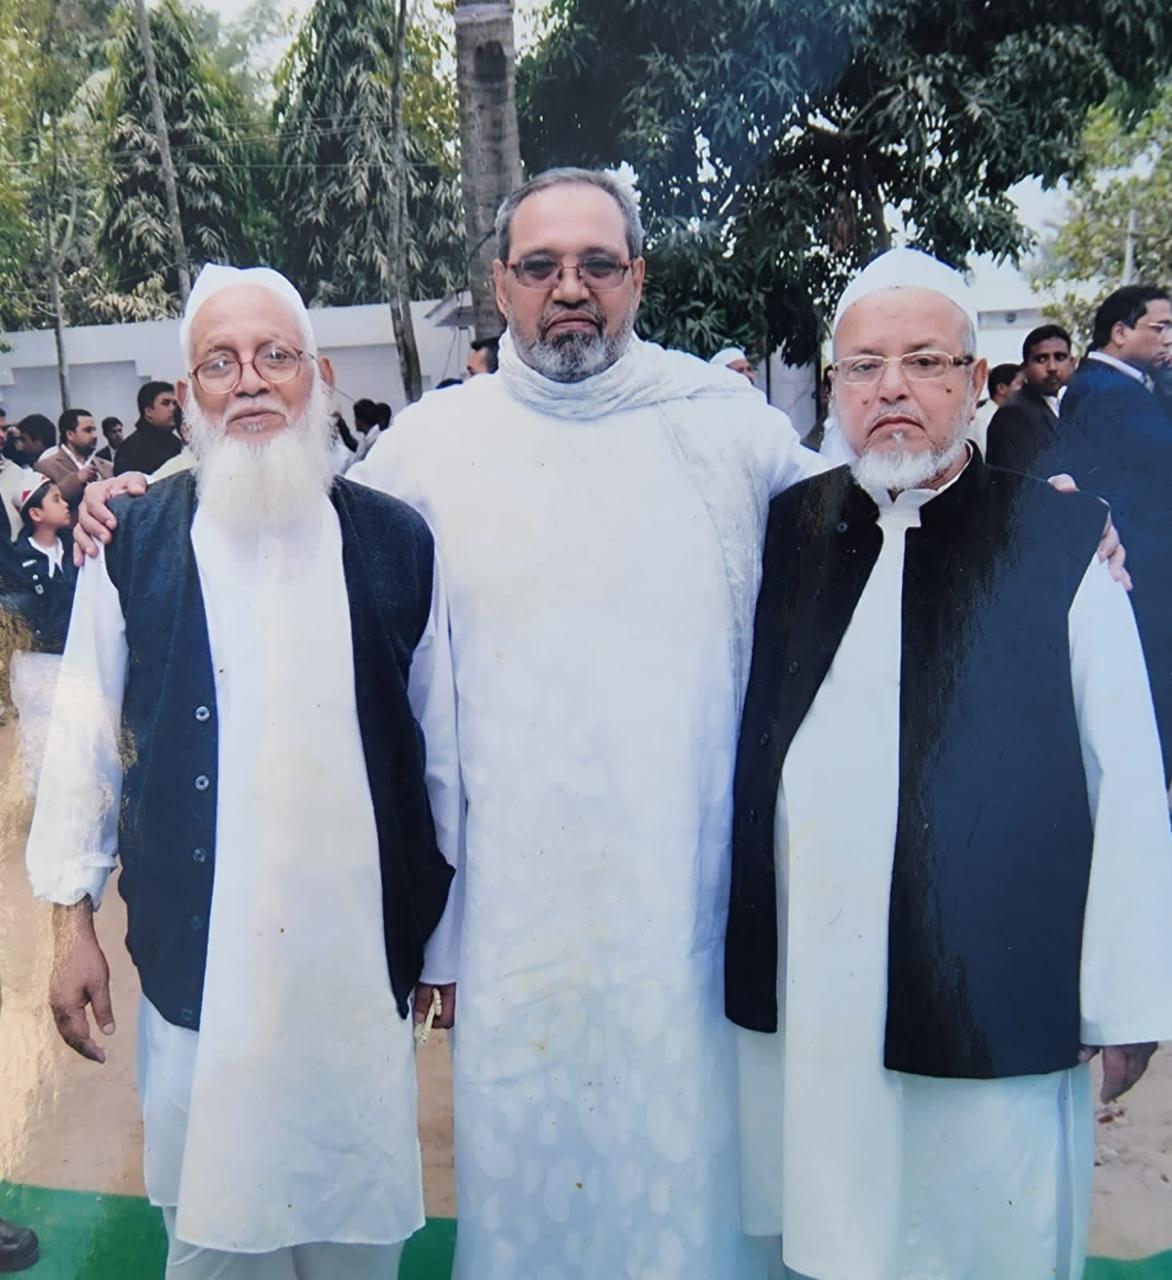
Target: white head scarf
(722, 359)
(908, 269)
(215, 278)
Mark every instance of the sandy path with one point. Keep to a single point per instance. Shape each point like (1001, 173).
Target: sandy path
(66, 1123)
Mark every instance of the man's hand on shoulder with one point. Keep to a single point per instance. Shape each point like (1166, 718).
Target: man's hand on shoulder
(1123, 1065)
(81, 976)
(95, 520)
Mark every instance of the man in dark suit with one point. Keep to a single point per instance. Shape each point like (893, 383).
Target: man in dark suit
(1116, 441)
(1027, 423)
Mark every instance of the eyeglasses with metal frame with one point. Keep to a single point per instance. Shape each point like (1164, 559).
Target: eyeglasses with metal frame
(919, 366)
(272, 361)
(596, 271)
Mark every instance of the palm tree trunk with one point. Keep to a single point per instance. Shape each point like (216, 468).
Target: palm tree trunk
(490, 150)
(160, 121)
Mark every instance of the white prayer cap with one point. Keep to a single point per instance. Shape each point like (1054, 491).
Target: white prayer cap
(908, 269)
(215, 278)
(722, 359)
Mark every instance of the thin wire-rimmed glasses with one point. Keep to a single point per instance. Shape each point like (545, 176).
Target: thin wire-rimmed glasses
(919, 366)
(597, 271)
(221, 373)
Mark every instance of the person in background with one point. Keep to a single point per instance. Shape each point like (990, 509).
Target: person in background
(38, 584)
(1004, 380)
(366, 425)
(74, 464)
(37, 436)
(735, 359)
(112, 431)
(483, 357)
(1027, 423)
(444, 383)
(155, 439)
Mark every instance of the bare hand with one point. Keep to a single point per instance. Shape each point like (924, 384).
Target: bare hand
(1110, 547)
(446, 1018)
(1123, 1065)
(95, 520)
(81, 976)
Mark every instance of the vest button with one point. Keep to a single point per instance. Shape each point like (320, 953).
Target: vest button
(752, 816)
(841, 527)
(202, 782)
(202, 714)
(39, 589)
(200, 855)
(196, 923)
(187, 1015)
(764, 739)
(794, 667)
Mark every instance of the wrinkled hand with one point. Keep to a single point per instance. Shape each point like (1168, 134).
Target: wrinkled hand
(95, 521)
(81, 976)
(1123, 1065)
(1111, 548)
(446, 1018)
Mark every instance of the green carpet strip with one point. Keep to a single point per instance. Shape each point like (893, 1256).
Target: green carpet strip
(95, 1237)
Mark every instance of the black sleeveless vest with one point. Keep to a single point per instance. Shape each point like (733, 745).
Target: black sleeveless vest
(167, 827)
(993, 844)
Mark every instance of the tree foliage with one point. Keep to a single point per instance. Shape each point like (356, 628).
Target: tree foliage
(333, 117)
(213, 151)
(780, 143)
(1128, 171)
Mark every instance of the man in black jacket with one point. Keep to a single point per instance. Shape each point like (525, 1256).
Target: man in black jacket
(155, 439)
(1028, 423)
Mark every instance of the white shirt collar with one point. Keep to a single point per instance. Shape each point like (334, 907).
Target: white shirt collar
(54, 554)
(1132, 372)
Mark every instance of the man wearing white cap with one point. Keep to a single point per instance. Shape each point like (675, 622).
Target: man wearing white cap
(247, 672)
(735, 359)
(952, 866)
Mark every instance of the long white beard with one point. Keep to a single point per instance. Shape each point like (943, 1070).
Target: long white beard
(246, 486)
(897, 469)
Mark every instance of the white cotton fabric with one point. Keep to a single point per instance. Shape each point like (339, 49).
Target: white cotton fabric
(33, 681)
(602, 547)
(908, 269)
(869, 1174)
(722, 359)
(290, 1118)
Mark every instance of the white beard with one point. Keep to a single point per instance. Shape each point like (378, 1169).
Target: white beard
(246, 486)
(575, 356)
(898, 469)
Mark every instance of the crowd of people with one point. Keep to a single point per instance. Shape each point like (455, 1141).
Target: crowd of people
(784, 832)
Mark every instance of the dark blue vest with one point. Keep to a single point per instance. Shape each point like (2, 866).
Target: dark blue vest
(993, 843)
(170, 733)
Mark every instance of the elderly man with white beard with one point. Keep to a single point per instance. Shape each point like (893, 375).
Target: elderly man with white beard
(247, 673)
(952, 867)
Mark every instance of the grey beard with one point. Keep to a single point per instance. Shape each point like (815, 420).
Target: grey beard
(576, 356)
(899, 469)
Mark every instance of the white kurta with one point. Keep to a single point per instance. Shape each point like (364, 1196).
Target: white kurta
(290, 1116)
(594, 1076)
(885, 1176)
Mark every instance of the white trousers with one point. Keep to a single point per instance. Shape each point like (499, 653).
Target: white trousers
(301, 1262)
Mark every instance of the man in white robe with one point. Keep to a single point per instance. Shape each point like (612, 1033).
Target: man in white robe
(271, 643)
(952, 860)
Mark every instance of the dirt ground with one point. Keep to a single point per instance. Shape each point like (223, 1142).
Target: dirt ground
(67, 1123)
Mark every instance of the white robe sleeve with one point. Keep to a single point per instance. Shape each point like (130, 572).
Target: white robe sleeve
(1127, 942)
(431, 691)
(783, 458)
(73, 843)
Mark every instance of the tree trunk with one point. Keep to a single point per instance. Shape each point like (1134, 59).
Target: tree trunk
(403, 325)
(160, 120)
(59, 331)
(490, 151)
